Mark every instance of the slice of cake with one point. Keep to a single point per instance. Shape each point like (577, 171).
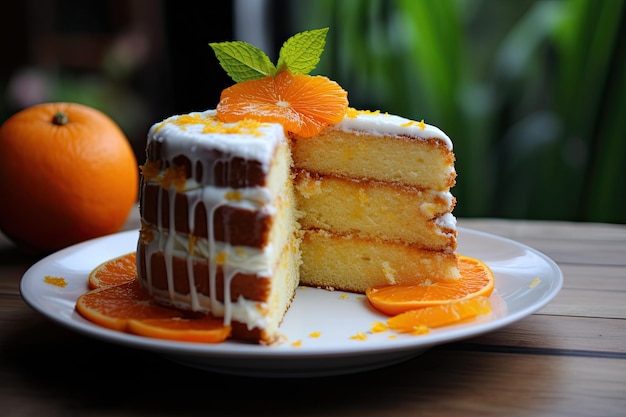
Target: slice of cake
(284, 184)
(218, 221)
(374, 195)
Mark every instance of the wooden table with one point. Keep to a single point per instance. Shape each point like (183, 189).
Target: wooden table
(567, 359)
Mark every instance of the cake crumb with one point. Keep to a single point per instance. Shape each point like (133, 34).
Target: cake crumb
(315, 335)
(59, 282)
(363, 198)
(297, 344)
(344, 296)
(389, 272)
(534, 282)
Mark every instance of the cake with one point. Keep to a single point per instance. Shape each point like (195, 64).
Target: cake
(373, 192)
(218, 228)
(238, 211)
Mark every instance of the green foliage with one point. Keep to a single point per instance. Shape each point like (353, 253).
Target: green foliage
(531, 92)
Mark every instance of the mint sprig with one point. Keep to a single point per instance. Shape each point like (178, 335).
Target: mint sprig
(243, 61)
(301, 53)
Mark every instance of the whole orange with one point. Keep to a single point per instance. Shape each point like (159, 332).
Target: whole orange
(67, 174)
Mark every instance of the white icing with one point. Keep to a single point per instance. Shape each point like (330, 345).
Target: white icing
(245, 259)
(244, 311)
(445, 195)
(189, 139)
(383, 123)
(253, 198)
(447, 221)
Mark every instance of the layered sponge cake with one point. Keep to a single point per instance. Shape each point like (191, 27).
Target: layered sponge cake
(236, 215)
(218, 221)
(285, 185)
(373, 193)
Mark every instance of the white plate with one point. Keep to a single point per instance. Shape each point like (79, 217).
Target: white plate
(335, 315)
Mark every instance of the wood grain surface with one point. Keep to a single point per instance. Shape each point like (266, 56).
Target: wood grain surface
(568, 359)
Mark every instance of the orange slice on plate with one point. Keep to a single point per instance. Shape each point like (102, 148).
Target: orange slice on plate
(114, 271)
(200, 330)
(113, 306)
(476, 280)
(415, 321)
(117, 301)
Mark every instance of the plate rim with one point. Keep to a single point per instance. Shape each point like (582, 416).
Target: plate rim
(258, 352)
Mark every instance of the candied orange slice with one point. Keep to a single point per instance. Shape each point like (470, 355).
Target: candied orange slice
(303, 104)
(476, 280)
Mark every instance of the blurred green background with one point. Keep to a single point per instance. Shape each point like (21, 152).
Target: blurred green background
(533, 93)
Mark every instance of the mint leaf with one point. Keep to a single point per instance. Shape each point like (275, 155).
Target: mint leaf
(243, 61)
(301, 53)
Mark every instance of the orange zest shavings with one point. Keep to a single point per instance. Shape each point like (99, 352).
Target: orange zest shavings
(58, 281)
(359, 336)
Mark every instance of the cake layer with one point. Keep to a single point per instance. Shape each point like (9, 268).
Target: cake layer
(352, 264)
(222, 171)
(255, 304)
(241, 225)
(247, 285)
(240, 247)
(376, 210)
(388, 154)
(218, 222)
(210, 152)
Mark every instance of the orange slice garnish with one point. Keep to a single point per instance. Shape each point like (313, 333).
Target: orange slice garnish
(303, 104)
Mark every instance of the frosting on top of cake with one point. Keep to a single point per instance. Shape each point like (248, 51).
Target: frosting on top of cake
(190, 133)
(376, 121)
